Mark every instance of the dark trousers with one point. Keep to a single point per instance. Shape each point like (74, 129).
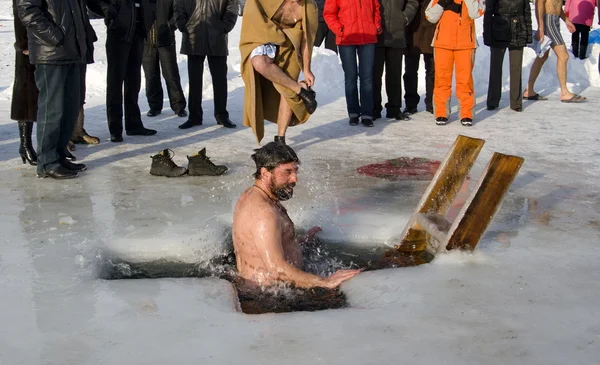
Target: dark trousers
(390, 59)
(162, 58)
(411, 80)
(325, 34)
(578, 44)
(218, 72)
(58, 105)
(352, 72)
(124, 67)
(78, 130)
(515, 57)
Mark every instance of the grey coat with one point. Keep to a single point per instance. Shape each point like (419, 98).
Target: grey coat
(396, 15)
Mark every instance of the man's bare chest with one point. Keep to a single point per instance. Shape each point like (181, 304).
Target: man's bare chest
(289, 13)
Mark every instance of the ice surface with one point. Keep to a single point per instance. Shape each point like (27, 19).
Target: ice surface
(528, 295)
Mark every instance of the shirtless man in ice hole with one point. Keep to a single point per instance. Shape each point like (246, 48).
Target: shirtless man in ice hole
(266, 247)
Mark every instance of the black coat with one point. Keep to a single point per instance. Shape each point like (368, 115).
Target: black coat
(420, 32)
(204, 25)
(396, 15)
(25, 93)
(55, 30)
(162, 32)
(320, 7)
(119, 17)
(507, 23)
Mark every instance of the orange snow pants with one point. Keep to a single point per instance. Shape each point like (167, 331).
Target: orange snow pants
(445, 61)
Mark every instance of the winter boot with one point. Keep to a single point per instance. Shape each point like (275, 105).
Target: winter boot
(309, 98)
(279, 139)
(163, 165)
(199, 165)
(467, 122)
(441, 120)
(80, 136)
(26, 150)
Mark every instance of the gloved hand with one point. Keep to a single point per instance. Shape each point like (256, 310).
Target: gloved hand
(454, 7)
(444, 3)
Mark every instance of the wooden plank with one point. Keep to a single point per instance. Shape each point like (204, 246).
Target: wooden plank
(483, 203)
(443, 188)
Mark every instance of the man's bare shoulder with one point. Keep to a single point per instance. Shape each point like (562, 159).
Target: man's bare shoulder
(255, 204)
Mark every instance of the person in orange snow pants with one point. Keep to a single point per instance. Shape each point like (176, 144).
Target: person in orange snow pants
(454, 45)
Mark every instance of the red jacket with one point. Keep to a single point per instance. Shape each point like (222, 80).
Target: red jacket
(354, 22)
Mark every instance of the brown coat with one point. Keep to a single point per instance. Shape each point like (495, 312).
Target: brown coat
(419, 33)
(261, 97)
(25, 92)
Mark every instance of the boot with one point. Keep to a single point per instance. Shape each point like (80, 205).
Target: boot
(309, 98)
(26, 148)
(80, 136)
(199, 164)
(163, 165)
(280, 139)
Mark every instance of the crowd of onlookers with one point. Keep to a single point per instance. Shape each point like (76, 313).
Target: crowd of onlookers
(55, 42)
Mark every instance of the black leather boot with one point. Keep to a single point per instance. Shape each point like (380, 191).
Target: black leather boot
(309, 98)
(26, 150)
(163, 165)
(280, 139)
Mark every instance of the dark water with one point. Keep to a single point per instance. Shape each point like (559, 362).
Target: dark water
(321, 258)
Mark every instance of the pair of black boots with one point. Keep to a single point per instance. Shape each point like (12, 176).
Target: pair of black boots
(198, 165)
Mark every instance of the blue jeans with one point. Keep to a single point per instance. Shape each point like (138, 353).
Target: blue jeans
(352, 71)
(58, 106)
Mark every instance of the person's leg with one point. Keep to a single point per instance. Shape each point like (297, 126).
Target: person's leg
(70, 107)
(534, 72)
(515, 57)
(49, 80)
(495, 80)
(117, 53)
(133, 83)
(429, 80)
(195, 75)
(350, 67)
(366, 58)
(378, 66)
(154, 91)
(465, 90)
(444, 65)
(575, 40)
(170, 72)
(393, 80)
(283, 117)
(561, 70)
(218, 71)
(265, 66)
(411, 80)
(583, 45)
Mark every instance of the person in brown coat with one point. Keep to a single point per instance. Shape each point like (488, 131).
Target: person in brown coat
(24, 101)
(419, 36)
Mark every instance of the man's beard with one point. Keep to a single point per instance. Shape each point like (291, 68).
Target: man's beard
(282, 192)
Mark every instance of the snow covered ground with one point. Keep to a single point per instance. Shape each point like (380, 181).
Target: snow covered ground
(528, 295)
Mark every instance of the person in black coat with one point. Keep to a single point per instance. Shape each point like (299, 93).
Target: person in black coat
(56, 34)
(23, 107)
(160, 53)
(506, 24)
(127, 23)
(323, 31)
(205, 25)
(396, 15)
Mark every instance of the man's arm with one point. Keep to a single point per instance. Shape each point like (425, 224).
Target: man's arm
(540, 10)
(34, 18)
(410, 10)
(181, 17)
(231, 15)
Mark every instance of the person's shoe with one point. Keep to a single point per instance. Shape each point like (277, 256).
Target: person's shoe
(429, 109)
(85, 138)
(354, 121)
(376, 114)
(309, 98)
(190, 123)
(199, 165)
(410, 111)
(489, 107)
(153, 113)
(518, 109)
(142, 131)
(58, 173)
(69, 155)
(279, 139)
(182, 113)
(441, 120)
(163, 165)
(367, 122)
(227, 123)
(26, 151)
(116, 138)
(401, 116)
(467, 122)
(77, 167)
(71, 146)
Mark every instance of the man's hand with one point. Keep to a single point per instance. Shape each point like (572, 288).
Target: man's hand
(570, 25)
(539, 35)
(309, 78)
(339, 277)
(26, 52)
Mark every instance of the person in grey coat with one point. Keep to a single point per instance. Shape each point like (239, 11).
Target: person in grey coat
(205, 25)
(395, 17)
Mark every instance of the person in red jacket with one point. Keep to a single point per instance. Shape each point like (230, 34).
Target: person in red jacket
(454, 45)
(356, 24)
